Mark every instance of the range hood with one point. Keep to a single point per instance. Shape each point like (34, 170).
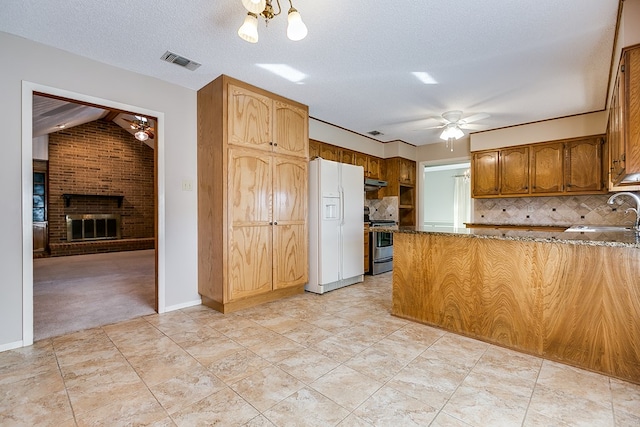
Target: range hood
(373, 184)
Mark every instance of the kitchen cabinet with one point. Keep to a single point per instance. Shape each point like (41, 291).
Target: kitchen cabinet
(40, 236)
(314, 149)
(400, 177)
(330, 152)
(252, 195)
(624, 121)
(257, 121)
(547, 172)
(514, 171)
(485, 173)
(407, 171)
(348, 157)
(370, 164)
(571, 166)
(583, 165)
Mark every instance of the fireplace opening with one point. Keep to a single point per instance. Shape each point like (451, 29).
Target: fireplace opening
(93, 227)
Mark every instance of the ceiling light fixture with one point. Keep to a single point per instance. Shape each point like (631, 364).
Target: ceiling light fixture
(450, 133)
(142, 128)
(296, 30)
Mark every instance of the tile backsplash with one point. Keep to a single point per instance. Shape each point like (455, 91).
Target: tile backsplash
(565, 210)
(385, 208)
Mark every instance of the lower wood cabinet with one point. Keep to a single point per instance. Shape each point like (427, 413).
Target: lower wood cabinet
(40, 236)
(366, 248)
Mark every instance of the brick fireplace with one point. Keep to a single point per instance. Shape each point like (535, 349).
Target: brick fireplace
(97, 171)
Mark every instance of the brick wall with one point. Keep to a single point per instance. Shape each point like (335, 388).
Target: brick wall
(100, 158)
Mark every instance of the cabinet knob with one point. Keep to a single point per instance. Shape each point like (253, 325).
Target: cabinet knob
(275, 143)
(270, 143)
(270, 223)
(275, 223)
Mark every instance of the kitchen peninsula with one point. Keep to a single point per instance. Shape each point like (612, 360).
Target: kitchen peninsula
(564, 296)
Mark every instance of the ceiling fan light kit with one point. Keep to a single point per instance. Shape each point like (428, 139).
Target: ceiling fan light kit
(296, 29)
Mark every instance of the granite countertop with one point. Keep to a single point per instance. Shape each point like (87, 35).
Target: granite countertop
(619, 239)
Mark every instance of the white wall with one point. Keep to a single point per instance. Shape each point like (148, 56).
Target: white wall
(334, 135)
(41, 147)
(49, 67)
(548, 130)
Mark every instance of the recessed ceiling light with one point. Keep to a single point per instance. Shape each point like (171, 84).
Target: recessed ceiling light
(425, 77)
(285, 71)
(61, 126)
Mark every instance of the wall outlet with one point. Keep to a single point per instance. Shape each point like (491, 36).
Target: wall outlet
(529, 208)
(187, 185)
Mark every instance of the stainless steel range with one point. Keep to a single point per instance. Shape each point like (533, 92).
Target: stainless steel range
(380, 247)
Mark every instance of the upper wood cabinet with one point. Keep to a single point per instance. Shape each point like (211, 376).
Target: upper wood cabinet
(485, 173)
(573, 166)
(370, 164)
(330, 152)
(314, 149)
(407, 172)
(624, 121)
(583, 165)
(257, 121)
(348, 156)
(514, 173)
(547, 173)
(252, 195)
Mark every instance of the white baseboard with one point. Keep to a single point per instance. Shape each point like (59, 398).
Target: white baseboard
(11, 346)
(183, 305)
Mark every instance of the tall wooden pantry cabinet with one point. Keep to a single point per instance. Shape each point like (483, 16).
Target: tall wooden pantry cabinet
(252, 195)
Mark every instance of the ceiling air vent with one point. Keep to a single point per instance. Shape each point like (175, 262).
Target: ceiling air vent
(375, 133)
(179, 60)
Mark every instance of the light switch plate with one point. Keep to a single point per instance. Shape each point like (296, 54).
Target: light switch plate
(187, 185)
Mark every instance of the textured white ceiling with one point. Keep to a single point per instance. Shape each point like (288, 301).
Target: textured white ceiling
(518, 60)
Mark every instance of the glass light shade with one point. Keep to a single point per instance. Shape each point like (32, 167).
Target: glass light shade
(296, 29)
(141, 135)
(249, 29)
(254, 6)
(456, 132)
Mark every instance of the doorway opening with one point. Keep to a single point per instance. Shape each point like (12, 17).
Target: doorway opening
(446, 195)
(108, 275)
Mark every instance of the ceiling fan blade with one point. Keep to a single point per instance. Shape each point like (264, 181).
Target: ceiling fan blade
(475, 118)
(431, 127)
(472, 126)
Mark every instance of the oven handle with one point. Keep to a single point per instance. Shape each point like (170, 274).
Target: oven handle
(380, 261)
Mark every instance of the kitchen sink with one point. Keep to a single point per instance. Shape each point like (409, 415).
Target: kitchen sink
(597, 229)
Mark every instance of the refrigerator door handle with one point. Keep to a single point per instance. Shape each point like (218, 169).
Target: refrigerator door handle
(342, 205)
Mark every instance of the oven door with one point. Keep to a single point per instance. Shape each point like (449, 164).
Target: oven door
(381, 246)
(382, 239)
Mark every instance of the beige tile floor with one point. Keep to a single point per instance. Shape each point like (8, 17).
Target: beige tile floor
(335, 359)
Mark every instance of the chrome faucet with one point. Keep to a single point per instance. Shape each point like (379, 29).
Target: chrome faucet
(635, 197)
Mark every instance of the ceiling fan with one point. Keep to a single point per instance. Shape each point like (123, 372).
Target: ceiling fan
(452, 124)
(141, 125)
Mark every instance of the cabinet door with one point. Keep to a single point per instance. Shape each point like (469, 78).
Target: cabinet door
(249, 119)
(330, 152)
(290, 259)
(361, 159)
(407, 172)
(348, 156)
(583, 165)
(514, 176)
(547, 175)
(291, 130)
(485, 174)
(375, 167)
(314, 149)
(40, 236)
(250, 230)
(631, 112)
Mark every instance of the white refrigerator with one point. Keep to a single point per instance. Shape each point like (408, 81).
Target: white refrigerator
(336, 225)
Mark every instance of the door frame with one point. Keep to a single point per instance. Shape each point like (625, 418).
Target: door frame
(28, 89)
